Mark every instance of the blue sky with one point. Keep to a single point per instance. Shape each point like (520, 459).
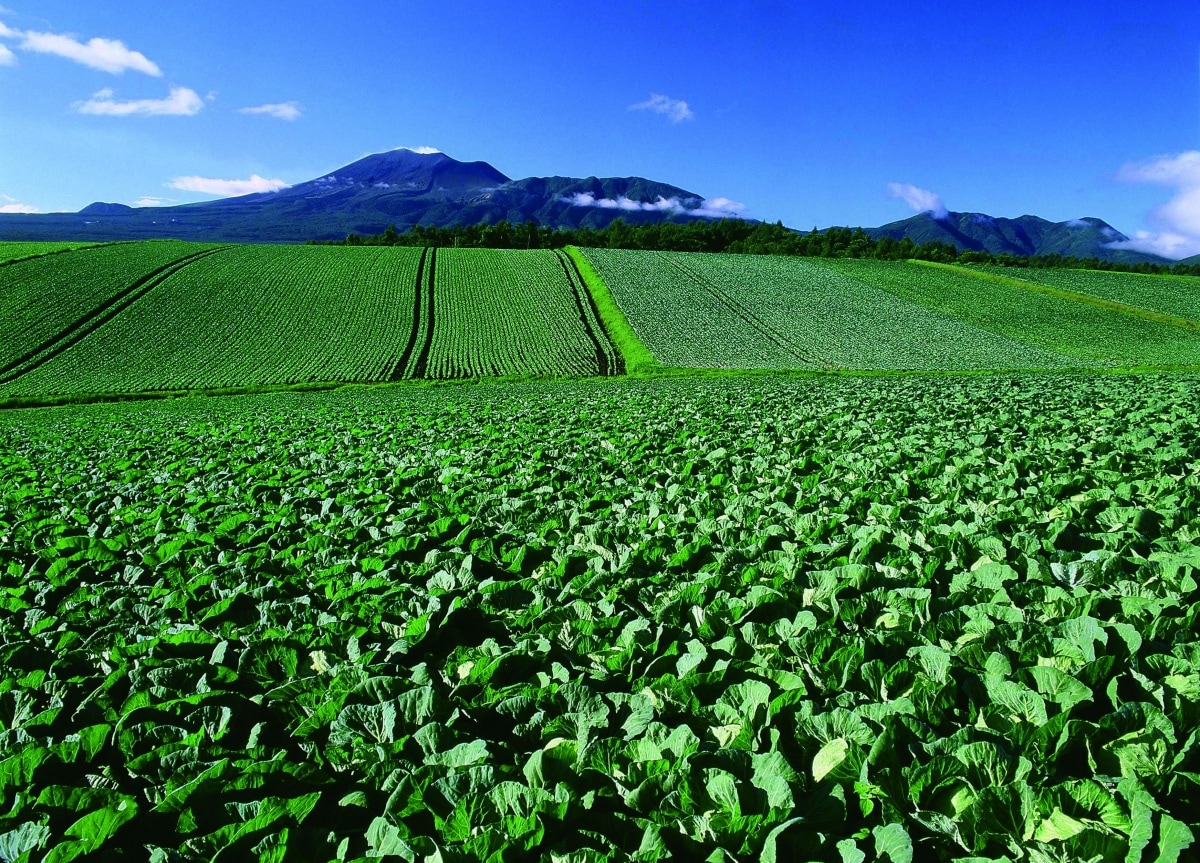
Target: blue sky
(809, 113)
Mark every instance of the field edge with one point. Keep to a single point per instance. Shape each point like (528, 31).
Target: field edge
(634, 353)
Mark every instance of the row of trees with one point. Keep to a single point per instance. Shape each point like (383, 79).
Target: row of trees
(729, 235)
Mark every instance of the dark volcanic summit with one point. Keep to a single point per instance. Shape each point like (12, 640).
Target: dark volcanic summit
(414, 173)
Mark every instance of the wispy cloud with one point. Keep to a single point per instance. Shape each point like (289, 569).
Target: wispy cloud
(921, 200)
(181, 102)
(7, 57)
(107, 55)
(228, 188)
(12, 205)
(423, 150)
(676, 110)
(1176, 223)
(152, 201)
(712, 208)
(279, 110)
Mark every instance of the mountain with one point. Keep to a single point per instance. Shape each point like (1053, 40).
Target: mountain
(102, 209)
(400, 187)
(406, 188)
(1025, 235)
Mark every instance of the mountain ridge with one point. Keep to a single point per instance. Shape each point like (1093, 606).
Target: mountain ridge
(1025, 235)
(406, 188)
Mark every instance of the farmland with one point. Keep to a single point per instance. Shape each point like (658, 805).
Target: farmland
(745, 311)
(766, 618)
(18, 251)
(253, 316)
(502, 312)
(139, 317)
(167, 316)
(1172, 295)
(1086, 334)
(685, 324)
(48, 302)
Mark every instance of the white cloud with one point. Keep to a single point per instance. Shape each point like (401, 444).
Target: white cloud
(107, 55)
(714, 208)
(1166, 244)
(6, 32)
(279, 110)
(921, 200)
(151, 201)
(676, 110)
(1181, 169)
(424, 151)
(719, 208)
(12, 205)
(7, 57)
(182, 102)
(228, 188)
(1176, 223)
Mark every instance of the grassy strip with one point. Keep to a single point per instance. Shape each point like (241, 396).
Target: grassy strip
(638, 359)
(1074, 296)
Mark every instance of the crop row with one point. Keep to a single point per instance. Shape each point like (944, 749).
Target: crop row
(251, 315)
(501, 312)
(840, 321)
(1086, 334)
(43, 297)
(769, 312)
(756, 619)
(1171, 295)
(681, 320)
(270, 315)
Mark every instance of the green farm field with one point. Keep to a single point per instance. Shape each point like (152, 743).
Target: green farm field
(595, 555)
(750, 311)
(18, 251)
(166, 316)
(827, 619)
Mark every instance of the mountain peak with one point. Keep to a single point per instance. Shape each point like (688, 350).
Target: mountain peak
(101, 208)
(414, 171)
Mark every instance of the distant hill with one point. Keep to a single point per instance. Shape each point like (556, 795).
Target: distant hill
(1025, 235)
(401, 187)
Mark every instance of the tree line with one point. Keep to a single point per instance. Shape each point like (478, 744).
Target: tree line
(729, 235)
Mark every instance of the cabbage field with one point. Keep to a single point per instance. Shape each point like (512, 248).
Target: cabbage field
(170, 316)
(499, 291)
(1170, 295)
(752, 311)
(19, 251)
(1085, 334)
(731, 619)
(49, 303)
(138, 318)
(254, 316)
